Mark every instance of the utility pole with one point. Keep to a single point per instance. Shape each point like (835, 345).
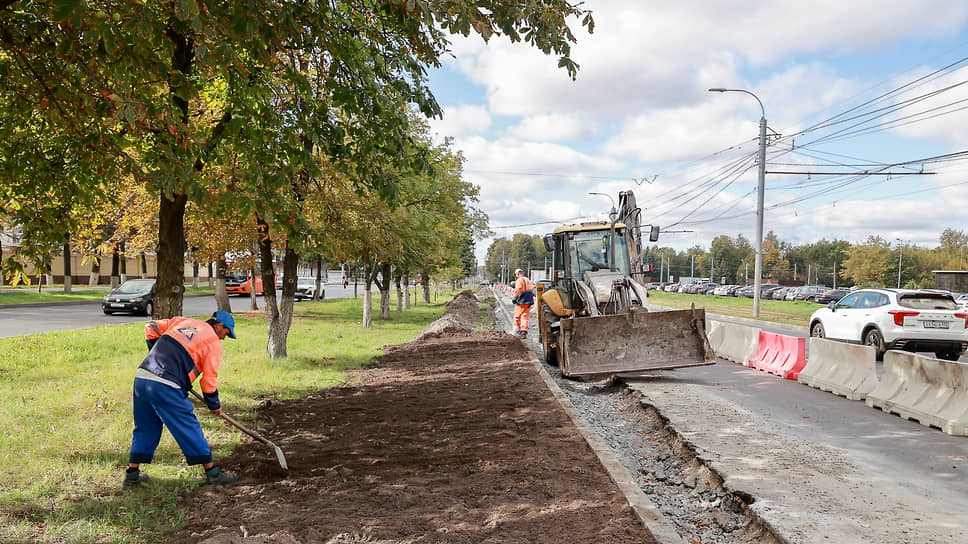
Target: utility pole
(809, 266)
(760, 185)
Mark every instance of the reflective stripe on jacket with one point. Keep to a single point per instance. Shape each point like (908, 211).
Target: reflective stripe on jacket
(182, 349)
(523, 291)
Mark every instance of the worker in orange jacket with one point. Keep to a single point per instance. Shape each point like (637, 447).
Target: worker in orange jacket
(180, 350)
(523, 300)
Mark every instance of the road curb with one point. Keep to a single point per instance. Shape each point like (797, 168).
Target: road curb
(67, 303)
(643, 507)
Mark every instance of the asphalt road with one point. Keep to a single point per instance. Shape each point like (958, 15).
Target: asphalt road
(36, 319)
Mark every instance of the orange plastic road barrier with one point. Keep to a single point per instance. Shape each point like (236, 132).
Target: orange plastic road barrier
(782, 355)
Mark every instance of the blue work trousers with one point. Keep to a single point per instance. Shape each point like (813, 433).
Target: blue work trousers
(157, 405)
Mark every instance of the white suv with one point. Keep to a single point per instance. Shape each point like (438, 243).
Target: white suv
(904, 319)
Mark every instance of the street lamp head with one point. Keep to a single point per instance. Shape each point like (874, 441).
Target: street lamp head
(717, 90)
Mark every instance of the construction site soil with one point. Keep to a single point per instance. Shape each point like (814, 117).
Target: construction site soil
(453, 437)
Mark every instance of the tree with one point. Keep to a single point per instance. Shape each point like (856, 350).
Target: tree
(869, 264)
(120, 84)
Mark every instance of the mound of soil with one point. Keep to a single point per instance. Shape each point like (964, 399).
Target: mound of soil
(449, 438)
(462, 314)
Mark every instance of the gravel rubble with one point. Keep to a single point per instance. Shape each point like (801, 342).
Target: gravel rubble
(688, 493)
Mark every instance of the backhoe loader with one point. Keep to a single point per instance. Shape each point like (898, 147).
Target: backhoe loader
(592, 311)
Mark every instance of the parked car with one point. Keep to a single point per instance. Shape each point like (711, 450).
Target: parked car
(830, 296)
(305, 289)
(963, 300)
(745, 291)
(810, 292)
(731, 291)
(792, 293)
(672, 288)
(905, 319)
(709, 288)
(779, 294)
(132, 296)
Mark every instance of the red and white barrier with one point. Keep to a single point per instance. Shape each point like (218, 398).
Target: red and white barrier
(778, 354)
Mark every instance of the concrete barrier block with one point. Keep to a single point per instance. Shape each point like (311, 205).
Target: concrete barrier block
(737, 342)
(848, 370)
(930, 391)
(715, 333)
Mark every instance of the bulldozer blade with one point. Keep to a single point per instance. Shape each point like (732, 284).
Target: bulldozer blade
(634, 341)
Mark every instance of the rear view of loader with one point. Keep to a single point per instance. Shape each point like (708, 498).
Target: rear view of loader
(592, 312)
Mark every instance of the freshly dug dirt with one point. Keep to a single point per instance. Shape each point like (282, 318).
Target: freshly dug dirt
(453, 437)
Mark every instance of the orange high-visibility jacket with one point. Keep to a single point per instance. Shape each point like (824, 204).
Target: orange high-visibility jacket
(182, 349)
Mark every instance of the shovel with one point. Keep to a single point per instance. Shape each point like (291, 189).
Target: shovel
(279, 455)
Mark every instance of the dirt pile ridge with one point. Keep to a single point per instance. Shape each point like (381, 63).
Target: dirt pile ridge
(453, 437)
(462, 314)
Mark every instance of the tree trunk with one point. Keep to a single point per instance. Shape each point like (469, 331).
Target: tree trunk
(211, 275)
(124, 263)
(49, 273)
(115, 266)
(171, 256)
(144, 265)
(384, 285)
(194, 273)
(406, 289)
(95, 270)
(425, 277)
(369, 272)
(68, 270)
(319, 294)
(278, 317)
(221, 294)
(399, 294)
(253, 303)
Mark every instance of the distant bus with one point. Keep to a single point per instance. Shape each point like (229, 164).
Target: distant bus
(237, 283)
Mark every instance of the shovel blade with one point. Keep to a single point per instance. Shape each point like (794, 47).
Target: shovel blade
(280, 456)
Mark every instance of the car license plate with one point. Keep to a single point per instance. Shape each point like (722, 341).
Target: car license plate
(116, 305)
(935, 324)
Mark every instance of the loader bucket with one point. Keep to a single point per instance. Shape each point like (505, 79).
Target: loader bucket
(635, 341)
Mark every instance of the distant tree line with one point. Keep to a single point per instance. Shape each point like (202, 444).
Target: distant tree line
(874, 262)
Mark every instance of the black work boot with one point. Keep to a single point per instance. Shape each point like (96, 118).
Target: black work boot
(214, 476)
(133, 478)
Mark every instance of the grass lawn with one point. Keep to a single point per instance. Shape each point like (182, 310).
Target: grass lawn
(55, 293)
(66, 419)
(780, 311)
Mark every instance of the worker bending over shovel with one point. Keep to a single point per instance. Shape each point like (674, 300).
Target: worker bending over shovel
(180, 350)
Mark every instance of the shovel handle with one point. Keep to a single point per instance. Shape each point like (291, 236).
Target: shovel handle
(230, 420)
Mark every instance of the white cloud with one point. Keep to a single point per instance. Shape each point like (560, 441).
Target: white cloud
(667, 54)
(461, 121)
(552, 127)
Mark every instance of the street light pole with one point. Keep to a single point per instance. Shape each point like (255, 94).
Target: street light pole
(760, 187)
(900, 253)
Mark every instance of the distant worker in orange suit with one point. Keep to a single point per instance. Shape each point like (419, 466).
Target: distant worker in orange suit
(523, 300)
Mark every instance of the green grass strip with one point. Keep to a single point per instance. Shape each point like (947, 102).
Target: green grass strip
(55, 293)
(66, 418)
(779, 311)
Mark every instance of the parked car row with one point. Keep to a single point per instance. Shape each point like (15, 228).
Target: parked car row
(768, 291)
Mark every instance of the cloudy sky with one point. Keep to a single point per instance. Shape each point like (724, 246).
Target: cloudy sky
(848, 87)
